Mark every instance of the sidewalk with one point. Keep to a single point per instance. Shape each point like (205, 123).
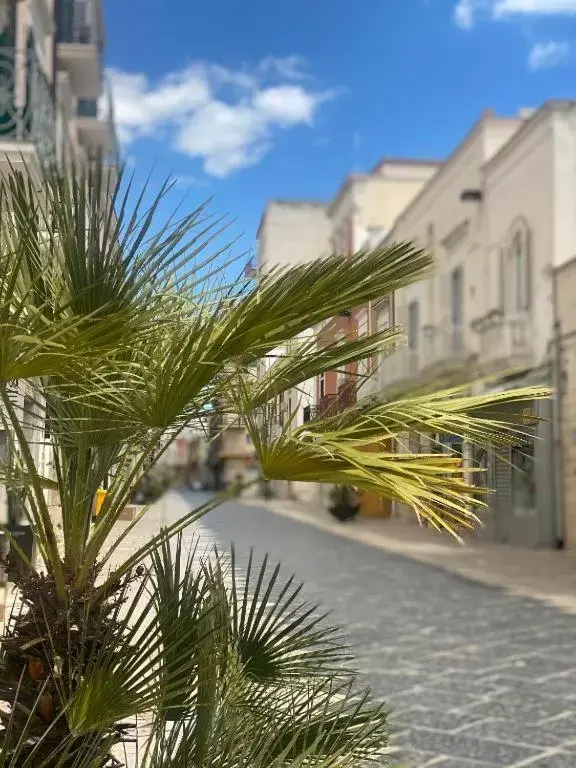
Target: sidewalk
(545, 575)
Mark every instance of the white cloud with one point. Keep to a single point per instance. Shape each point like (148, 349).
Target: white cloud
(464, 14)
(287, 67)
(466, 11)
(540, 7)
(286, 104)
(185, 181)
(232, 136)
(225, 118)
(139, 108)
(548, 55)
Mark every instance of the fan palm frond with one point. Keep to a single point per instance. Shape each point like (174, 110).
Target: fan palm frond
(305, 361)
(272, 688)
(356, 448)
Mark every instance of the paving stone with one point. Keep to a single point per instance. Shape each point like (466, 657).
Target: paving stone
(450, 762)
(554, 761)
(518, 706)
(544, 736)
(475, 652)
(412, 758)
(430, 718)
(456, 745)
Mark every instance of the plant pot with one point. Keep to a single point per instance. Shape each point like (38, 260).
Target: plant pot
(344, 512)
(23, 536)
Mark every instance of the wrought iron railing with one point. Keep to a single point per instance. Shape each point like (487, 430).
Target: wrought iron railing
(330, 405)
(27, 114)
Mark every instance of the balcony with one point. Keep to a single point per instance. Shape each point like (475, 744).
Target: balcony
(330, 405)
(442, 350)
(506, 342)
(27, 112)
(80, 41)
(96, 128)
(445, 348)
(401, 367)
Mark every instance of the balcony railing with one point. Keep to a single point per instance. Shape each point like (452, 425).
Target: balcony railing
(79, 21)
(508, 342)
(330, 405)
(28, 115)
(327, 406)
(445, 344)
(403, 365)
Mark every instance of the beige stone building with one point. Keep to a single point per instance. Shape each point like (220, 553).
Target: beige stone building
(499, 221)
(290, 233)
(295, 232)
(564, 378)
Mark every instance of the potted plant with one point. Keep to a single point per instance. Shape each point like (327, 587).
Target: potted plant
(344, 503)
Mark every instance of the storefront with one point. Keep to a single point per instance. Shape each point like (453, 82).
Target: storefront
(521, 509)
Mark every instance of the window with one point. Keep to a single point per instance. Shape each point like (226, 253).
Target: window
(413, 325)
(501, 279)
(523, 480)
(430, 244)
(383, 319)
(306, 414)
(519, 262)
(457, 298)
(363, 323)
(322, 385)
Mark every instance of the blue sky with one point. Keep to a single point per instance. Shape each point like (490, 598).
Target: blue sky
(245, 101)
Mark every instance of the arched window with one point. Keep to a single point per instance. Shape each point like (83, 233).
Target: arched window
(518, 278)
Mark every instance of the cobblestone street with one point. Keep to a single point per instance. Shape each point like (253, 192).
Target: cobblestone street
(476, 678)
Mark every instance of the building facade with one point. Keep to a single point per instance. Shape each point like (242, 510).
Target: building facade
(499, 221)
(362, 211)
(55, 104)
(55, 109)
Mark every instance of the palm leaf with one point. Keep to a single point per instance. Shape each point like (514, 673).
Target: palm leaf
(305, 361)
(350, 449)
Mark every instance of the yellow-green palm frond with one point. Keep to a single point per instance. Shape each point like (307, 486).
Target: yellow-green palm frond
(287, 303)
(304, 361)
(487, 418)
(357, 448)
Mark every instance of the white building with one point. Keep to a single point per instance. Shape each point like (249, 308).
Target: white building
(55, 107)
(499, 218)
(290, 233)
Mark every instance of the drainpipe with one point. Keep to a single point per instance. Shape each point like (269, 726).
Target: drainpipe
(557, 416)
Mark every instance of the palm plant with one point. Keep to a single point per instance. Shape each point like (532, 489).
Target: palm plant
(126, 332)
